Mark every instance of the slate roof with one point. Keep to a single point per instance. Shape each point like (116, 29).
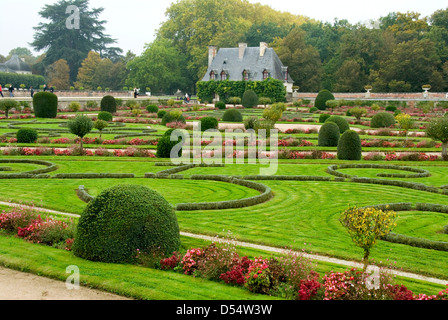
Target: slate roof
(15, 64)
(227, 59)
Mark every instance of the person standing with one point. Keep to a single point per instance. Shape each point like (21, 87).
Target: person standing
(1, 91)
(32, 92)
(135, 93)
(45, 88)
(11, 91)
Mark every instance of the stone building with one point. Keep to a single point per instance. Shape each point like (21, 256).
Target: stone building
(246, 63)
(15, 65)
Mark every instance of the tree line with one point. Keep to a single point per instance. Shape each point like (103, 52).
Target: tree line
(396, 53)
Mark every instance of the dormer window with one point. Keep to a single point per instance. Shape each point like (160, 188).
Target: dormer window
(265, 74)
(246, 75)
(212, 75)
(223, 75)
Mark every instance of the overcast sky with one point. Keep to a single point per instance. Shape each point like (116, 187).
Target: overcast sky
(134, 22)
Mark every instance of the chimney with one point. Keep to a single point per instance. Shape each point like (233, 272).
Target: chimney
(242, 49)
(263, 47)
(211, 54)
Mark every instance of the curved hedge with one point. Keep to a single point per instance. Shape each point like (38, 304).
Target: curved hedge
(45, 105)
(124, 219)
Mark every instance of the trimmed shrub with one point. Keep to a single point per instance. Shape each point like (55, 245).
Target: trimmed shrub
(8, 104)
(250, 99)
(152, 108)
(382, 120)
(125, 219)
(161, 113)
(105, 116)
(209, 123)
(173, 117)
(329, 135)
(220, 105)
(45, 105)
(322, 97)
(165, 145)
(232, 115)
(109, 104)
(349, 147)
(26, 135)
(340, 121)
(250, 123)
(323, 117)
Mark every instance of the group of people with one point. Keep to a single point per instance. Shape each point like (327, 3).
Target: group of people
(11, 90)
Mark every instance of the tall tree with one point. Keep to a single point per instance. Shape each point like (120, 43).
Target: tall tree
(303, 60)
(87, 71)
(160, 67)
(58, 75)
(68, 40)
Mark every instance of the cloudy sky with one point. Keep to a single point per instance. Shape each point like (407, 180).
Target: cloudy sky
(134, 22)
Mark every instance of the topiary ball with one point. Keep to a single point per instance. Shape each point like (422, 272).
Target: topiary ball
(105, 116)
(382, 120)
(322, 97)
(232, 115)
(220, 105)
(329, 135)
(208, 123)
(349, 147)
(124, 219)
(26, 135)
(45, 105)
(250, 99)
(152, 108)
(340, 121)
(109, 104)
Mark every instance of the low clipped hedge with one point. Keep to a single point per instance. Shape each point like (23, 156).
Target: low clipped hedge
(123, 220)
(50, 167)
(93, 175)
(266, 194)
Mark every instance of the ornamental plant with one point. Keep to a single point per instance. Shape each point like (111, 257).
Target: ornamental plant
(366, 225)
(80, 126)
(437, 130)
(258, 277)
(45, 105)
(405, 122)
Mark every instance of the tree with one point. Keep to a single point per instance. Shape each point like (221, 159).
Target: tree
(100, 125)
(71, 44)
(58, 75)
(405, 122)
(81, 126)
(87, 71)
(8, 104)
(161, 67)
(366, 225)
(437, 129)
(303, 60)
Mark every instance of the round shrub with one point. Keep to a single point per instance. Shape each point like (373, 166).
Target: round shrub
(209, 123)
(45, 105)
(313, 109)
(26, 135)
(382, 120)
(165, 145)
(220, 105)
(173, 117)
(323, 117)
(152, 108)
(250, 123)
(124, 219)
(105, 116)
(232, 115)
(322, 97)
(349, 147)
(391, 108)
(161, 113)
(250, 99)
(329, 135)
(340, 121)
(109, 104)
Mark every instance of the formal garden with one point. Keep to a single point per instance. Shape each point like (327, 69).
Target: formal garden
(92, 185)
